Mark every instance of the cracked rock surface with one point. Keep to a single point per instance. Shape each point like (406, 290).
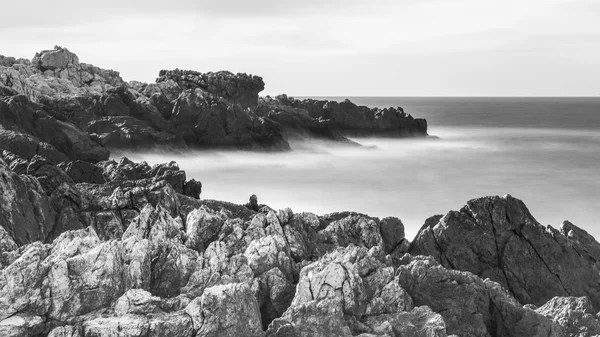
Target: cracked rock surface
(498, 238)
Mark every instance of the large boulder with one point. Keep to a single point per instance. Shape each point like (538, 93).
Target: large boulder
(498, 238)
(59, 58)
(226, 311)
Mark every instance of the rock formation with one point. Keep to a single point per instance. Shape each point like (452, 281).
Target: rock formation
(92, 247)
(55, 103)
(497, 238)
(117, 249)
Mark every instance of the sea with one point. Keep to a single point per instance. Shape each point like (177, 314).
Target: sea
(544, 151)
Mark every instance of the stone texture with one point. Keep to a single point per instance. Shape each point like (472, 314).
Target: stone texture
(150, 261)
(226, 310)
(469, 305)
(574, 313)
(498, 238)
(26, 213)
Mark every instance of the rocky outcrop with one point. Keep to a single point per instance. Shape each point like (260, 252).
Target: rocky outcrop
(132, 256)
(326, 118)
(80, 109)
(239, 89)
(26, 130)
(576, 314)
(469, 305)
(498, 238)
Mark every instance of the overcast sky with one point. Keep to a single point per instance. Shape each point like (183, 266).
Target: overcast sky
(329, 47)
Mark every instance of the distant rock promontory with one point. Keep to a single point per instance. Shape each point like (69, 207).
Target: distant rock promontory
(55, 103)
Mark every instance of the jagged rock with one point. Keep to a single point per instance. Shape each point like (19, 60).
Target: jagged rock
(31, 131)
(22, 325)
(301, 233)
(184, 109)
(65, 331)
(350, 292)
(202, 227)
(469, 305)
(55, 59)
(56, 73)
(573, 313)
(497, 238)
(348, 118)
(276, 294)
(16, 163)
(25, 211)
(226, 310)
(137, 301)
(314, 318)
(204, 119)
(152, 325)
(419, 322)
(83, 172)
(125, 169)
(76, 275)
(269, 252)
(155, 224)
(241, 88)
(392, 233)
(354, 229)
(73, 142)
(7, 245)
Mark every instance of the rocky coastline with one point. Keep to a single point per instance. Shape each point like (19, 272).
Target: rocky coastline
(54, 102)
(93, 247)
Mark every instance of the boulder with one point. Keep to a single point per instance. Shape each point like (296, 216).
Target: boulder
(59, 58)
(226, 310)
(192, 188)
(392, 233)
(203, 227)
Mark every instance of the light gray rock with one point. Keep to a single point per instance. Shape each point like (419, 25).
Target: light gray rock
(573, 313)
(203, 227)
(226, 310)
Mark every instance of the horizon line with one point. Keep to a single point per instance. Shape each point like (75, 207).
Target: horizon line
(440, 96)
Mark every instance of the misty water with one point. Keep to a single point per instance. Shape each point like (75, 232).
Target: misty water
(545, 151)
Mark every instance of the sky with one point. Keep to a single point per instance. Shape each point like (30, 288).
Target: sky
(330, 47)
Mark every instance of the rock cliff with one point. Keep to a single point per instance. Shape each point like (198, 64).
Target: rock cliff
(80, 110)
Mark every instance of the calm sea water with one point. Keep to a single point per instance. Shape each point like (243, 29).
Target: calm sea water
(545, 151)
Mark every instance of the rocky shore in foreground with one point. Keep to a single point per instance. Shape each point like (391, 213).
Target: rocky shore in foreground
(92, 247)
(53, 103)
(125, 249)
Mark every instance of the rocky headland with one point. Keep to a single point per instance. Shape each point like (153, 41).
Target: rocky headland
(54, 103)
(94, 247)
